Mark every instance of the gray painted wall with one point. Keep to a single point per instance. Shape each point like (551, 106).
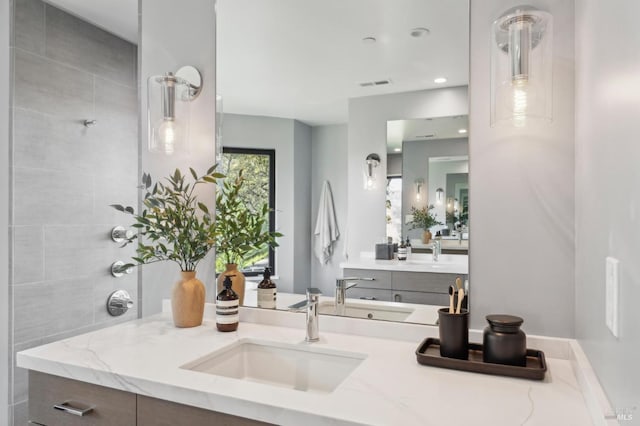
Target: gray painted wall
(329, 153)
(522, 189)
(415, 165)
(166, 46)
(292, 142)
(394, 164)
(607, 192)
(65, 175)
(5, 295)
(368, 118)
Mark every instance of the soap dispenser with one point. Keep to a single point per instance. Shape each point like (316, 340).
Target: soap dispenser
(267, 291)
(227, 306)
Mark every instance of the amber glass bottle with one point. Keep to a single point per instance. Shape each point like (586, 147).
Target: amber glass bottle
(227, 306)
(267, 291)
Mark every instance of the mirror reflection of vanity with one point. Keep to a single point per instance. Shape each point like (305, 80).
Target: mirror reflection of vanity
(287, 85)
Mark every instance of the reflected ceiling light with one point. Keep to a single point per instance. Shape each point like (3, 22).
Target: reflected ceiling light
(371, 163)
(521, 66)
(397, 149)
(462, 131)
(168, 98)
(439, 196)
(440, 80)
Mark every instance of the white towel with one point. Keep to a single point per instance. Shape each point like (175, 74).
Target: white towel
(326, 233)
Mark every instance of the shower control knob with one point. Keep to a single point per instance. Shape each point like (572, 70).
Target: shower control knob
(119, 302)
(117, 269)
(119, 234)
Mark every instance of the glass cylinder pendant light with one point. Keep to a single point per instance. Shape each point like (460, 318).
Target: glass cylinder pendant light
(521, 62)
(371, 163)
(168, 97)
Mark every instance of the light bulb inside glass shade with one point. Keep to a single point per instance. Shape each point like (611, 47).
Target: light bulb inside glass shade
(418, 198)
(168, 135)
(371, 182)
(520, 89)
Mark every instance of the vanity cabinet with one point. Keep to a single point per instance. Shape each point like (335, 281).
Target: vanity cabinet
(399, 286)
(102, 406)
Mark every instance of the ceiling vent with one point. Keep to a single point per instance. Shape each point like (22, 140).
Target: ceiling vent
(375, 83)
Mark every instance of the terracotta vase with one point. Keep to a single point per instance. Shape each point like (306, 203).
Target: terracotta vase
(237, 280)
(426, 237)
(187, 300)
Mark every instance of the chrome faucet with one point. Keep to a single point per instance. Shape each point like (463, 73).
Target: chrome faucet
(341, 292)
(436, 249)
(311, 306)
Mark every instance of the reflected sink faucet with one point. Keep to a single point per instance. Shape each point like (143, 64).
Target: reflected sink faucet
(311, 306)
(436, 249)
(341, 292)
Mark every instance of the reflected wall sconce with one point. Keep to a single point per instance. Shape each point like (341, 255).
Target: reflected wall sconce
(169, 96)
(456, 205)
(419, 184)
(371, 163)
(219, 117)
(521, 66)
(439, 196)
(450, 205)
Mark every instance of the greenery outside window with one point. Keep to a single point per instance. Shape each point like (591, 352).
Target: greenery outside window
(259, 187)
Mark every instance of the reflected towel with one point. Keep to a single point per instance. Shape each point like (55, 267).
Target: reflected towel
(326, 232)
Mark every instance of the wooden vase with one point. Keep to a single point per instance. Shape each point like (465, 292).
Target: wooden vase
(426, 237)
(187, 300)
(237, 280)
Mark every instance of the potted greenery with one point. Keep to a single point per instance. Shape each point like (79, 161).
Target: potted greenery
(175, 226)
(239, 231)
(424, 219)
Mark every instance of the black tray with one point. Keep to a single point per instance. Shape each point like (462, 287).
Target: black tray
(428, 353)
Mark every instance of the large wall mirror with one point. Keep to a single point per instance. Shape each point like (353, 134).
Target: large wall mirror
(286, 72)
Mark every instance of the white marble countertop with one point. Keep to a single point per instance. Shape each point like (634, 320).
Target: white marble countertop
(418, 262)
(388, 388)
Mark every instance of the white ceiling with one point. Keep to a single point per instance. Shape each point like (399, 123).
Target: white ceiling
(416, 130)
(119, 17)
(304, 59)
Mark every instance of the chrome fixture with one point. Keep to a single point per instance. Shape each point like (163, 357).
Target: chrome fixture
(436, 249)
(371, 163)
(521, 66)
(419, 184)
(311, 307)
(119, 234)
(119, 302)
(341, 292)
(89, 123)
(118, 269)
(168, 101)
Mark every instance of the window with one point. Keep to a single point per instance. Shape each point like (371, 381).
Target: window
(394, 207)
(259, 171)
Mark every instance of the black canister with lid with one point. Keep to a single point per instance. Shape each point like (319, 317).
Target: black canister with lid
(504, 342)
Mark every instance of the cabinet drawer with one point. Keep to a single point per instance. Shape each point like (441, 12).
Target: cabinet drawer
(109, 407)
(382, 279)
(424, 281)
(157, 412)
(369, 293)
(422, 298)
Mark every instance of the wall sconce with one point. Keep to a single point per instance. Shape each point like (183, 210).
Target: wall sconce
(371, 163)
(169, 96)
(419, 184)
(450, 205)
(439, 196)
(521, 63)
(456, 205)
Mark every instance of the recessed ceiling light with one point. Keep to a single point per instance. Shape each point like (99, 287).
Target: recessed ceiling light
(369, 40)
(397, 149)
(440, 80)
(419, 32)
(462, 131)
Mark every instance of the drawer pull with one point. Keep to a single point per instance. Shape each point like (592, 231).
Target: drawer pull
(72, 410)
(368, 298)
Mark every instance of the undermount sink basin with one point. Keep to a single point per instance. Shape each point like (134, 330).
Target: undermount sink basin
(370, 311)
(302, 367)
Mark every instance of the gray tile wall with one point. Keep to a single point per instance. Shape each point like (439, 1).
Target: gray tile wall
(64, 176)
